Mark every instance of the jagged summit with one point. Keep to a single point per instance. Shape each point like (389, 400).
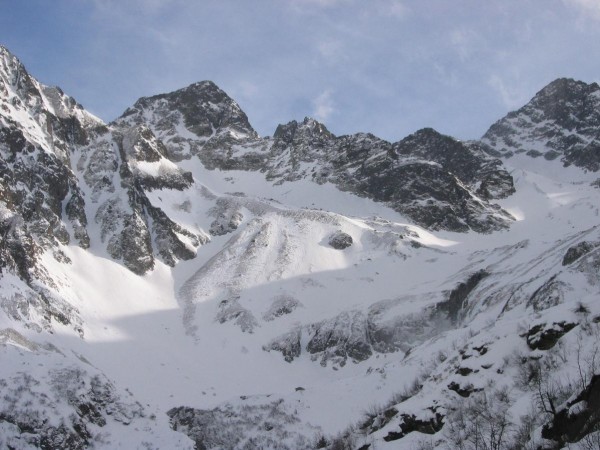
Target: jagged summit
(564, 97)
(426, 142)
(12, 68)
(465, 160)
(198, 120)
(25, 92)
(10, 65)
(63, 168)
(203, 106)
(437, 181)
(561, 121)
(309, 127)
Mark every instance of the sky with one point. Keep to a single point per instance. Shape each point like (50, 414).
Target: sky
(389, 67)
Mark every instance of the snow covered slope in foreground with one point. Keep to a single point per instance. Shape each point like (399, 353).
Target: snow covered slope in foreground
(171, 280)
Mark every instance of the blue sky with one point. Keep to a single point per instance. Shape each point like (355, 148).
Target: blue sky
(388, 67)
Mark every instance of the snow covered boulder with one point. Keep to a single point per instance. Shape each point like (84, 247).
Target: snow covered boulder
(288, 344)
(230, 310)
(340, 240)
(342, 337)
(577, 251)
(282, 304)
(545, 336)
(578, 418)
(225, 224)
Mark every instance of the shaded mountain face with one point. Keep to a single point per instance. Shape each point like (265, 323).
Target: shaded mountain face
(424, 176)
(167, 266)
(64, 171)
(41, 201)
(561, 122)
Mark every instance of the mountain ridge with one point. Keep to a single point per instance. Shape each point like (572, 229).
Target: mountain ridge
(308, 149)
(173, 280)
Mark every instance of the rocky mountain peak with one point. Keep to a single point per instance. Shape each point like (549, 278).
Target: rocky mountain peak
(18, 90)
(11, 68)
(15, 81)
(309, 128)
(426, 140)
(465, 160)
(568, 102)
(57, 121)
(561, 121)
(202, 107)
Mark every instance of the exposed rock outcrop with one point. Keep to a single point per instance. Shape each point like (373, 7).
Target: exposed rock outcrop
(578, 418)
(340, 240)
(561, 121)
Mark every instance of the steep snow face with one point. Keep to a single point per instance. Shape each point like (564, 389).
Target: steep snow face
(279, 249)
(40, 198)
(561, 121)
(174, 271)
(117, 171)
(63, 168)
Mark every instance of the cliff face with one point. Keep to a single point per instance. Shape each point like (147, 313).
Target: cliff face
(560, 122)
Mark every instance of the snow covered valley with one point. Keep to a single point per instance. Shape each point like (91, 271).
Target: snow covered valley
(173, 280)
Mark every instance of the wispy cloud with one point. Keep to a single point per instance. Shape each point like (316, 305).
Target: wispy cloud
(510, 93)
(387, 8)
(309, 6)
(141, 8)
(322, 3)
(464, 41)
(394, 8)
(330, 48)
(384, 66)
(324, 105)
(588, 8)
(246, 89)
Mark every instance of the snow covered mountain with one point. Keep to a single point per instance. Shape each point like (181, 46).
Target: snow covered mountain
(561, 121)
(173, 280)
(448, 184)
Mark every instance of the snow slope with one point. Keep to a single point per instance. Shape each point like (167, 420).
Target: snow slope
(183, 302)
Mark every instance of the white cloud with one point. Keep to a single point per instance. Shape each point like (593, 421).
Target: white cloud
(139, 7)
(588, 8)
(330, 49)
(324, 106)
(512, 95)
(324, 3)
(246, 89)
(310, 5)
(463, 42)
(395, 8)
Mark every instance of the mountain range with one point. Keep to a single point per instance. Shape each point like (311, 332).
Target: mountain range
(174, 280)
